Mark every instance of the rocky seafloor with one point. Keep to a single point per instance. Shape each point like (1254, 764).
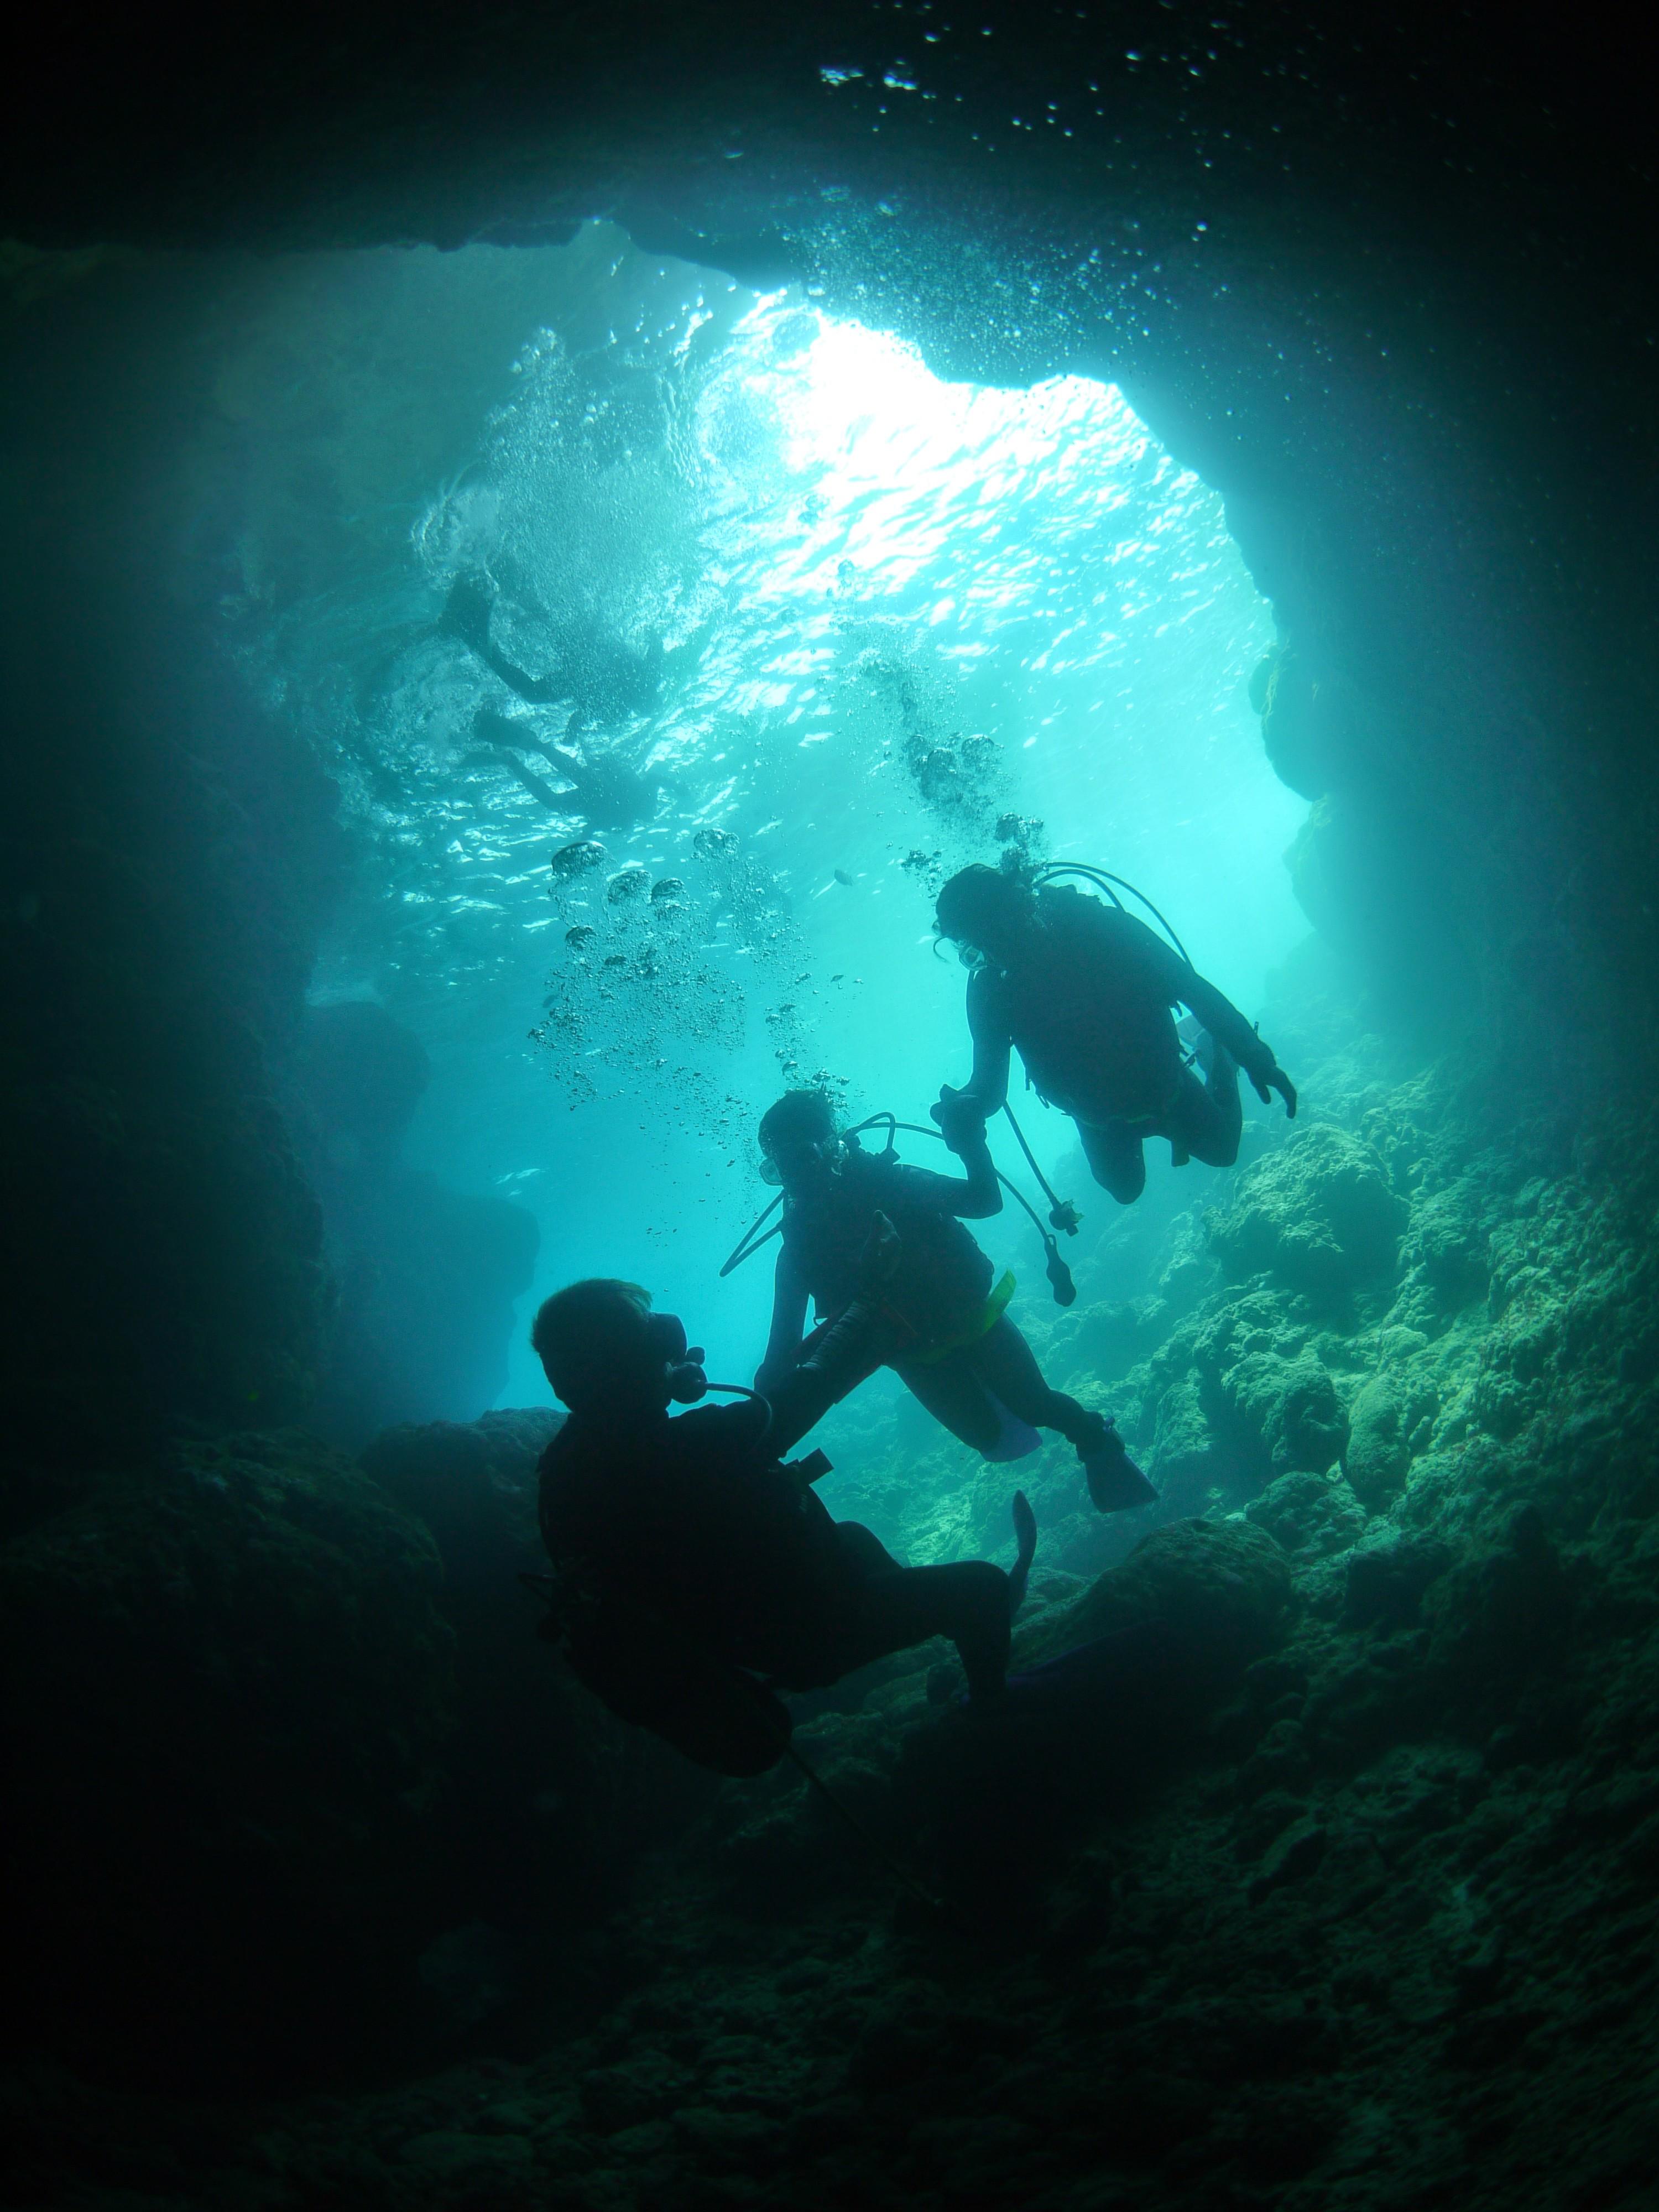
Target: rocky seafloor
(1337, 1883)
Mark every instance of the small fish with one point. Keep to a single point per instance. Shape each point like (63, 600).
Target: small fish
(841, 877)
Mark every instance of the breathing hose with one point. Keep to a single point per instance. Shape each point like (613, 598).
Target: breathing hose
(750, 1242)
(1064, 1215)
(1059, 1275)
(1106, 879)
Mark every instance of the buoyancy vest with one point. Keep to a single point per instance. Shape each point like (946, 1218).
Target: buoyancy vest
(944, 1279)
(1087, 1004)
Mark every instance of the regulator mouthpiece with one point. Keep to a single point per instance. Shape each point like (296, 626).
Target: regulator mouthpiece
(687, 1382)
(1064, 1215)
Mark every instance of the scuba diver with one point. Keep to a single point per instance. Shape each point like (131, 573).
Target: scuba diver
(695, 1570)
(946, 1335)
(602, 680)
(1083, 990)
(609, 795)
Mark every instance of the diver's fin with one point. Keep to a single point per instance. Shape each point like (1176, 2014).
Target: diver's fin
(1116, 1483)
(1015, 1439)
(1025, 1535)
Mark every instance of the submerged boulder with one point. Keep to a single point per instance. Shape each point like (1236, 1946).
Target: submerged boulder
(1289, 1409)
(224, 1689)
(1389, 1413)
(1106, 1691)
(1217, 1590)
(1308, 1515)
(473, 1483)
(1318, 1214)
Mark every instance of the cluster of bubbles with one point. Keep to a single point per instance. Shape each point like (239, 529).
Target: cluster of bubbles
(753, 902)
(635, 989)
(958, 776)
(637, 992)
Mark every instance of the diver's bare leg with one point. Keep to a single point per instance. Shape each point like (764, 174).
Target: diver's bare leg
(1208, 1118)
(1115, 1159)
(953, 1393)
(1006, 1365)
(967, 1600)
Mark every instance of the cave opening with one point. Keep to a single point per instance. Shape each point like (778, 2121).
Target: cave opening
(667, 473)
(725, 603)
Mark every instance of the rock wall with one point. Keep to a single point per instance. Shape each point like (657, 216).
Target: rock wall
(425, 1277)
(170, 849)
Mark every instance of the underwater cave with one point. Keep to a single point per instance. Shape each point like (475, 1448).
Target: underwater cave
(536, 546)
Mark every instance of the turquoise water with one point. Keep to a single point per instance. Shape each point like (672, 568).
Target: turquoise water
(888, 613)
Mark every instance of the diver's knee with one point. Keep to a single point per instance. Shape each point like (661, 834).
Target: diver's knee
(1124, 1184)
(985, 1589)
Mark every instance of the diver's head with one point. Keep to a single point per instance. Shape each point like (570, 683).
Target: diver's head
(986, 910)
(605, 1351)
(798, 1138)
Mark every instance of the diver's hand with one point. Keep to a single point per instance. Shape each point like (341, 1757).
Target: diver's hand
(961, 1118)
(879, 1261)
(1273, 1077)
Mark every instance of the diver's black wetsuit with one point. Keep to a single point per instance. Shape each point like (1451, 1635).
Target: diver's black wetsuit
(1085, 1000)
(962, 1370)
(694, 1521)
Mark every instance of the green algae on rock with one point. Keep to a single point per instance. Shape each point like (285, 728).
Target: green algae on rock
(1218, 1590)
(1318, 1215)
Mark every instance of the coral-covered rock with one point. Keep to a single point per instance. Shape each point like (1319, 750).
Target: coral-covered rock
(1387, 1413)
(1445, 1250)
(1386, 1582)
(1185, 1456)
(1218, 1590)
(1309, 1515)
(226, 1690)
(1318, 1215)
(1290, 1407)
